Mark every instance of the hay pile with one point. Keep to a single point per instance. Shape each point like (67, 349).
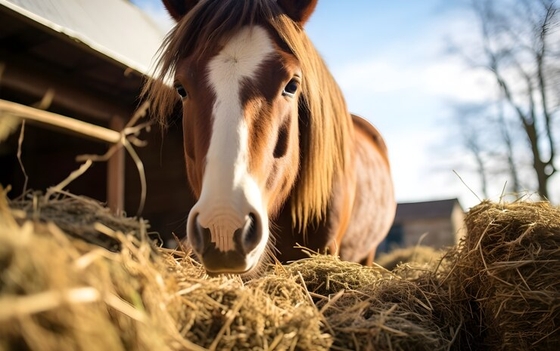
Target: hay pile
(60, 290)
(268, 313)
(77, 216)
(508, 266)
(370, 308)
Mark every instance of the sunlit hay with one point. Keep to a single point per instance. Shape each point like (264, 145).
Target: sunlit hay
(509, 264)
(370, 308)
(77, 216)
(60, 293)
(417, 256)
(267, 313)
(393, 315)
(498, 289)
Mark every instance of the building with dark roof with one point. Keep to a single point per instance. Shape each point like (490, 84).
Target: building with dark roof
(438, 223)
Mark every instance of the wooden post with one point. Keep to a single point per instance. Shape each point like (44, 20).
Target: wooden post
(116, 163)
(116, 172)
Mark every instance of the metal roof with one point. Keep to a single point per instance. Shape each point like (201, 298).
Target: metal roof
(114, 28)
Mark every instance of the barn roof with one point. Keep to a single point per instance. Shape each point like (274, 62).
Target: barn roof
(426, 209)
(114, 28)
(93, 54)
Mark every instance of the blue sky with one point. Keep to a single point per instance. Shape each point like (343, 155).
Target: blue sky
(391, 59)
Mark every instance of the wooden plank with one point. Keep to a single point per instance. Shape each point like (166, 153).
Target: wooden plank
(63, 123)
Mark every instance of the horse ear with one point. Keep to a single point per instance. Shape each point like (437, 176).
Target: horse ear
(179, 8)
(298, 10)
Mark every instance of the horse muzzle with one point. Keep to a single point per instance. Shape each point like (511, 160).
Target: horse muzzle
(224, 250)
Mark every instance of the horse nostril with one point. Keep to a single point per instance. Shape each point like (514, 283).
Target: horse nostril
(198, 235)
(250, 234)
(250, 228)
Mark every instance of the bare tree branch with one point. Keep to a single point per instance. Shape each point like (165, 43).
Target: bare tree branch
(519, 48)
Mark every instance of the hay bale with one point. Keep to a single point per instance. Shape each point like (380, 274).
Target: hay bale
(394, 315)
(324, 275)
(509, 266)
(370, 308)
(60, 293)
(267, 313)
(100, 284)
(77, 216)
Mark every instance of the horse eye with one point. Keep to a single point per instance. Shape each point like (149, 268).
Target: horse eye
(181, 91)
(291, 88)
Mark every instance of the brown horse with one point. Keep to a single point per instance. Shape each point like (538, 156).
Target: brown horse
(273, 155)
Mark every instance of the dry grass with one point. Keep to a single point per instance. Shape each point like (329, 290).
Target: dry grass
(74, 277)
(224, 313)
(61, 293)
(509, 266)
(370, 308)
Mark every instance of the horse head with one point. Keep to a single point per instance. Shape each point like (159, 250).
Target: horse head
(240, 89)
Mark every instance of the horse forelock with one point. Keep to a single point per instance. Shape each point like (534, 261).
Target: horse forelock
(326, 130)
(325, 124)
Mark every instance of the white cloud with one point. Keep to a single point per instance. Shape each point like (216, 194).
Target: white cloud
(375, 76)
(445, 78)
(417, 173)
(409, 104)
(449, 79)
(405, 90)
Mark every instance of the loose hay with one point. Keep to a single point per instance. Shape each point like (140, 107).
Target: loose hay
(324, 275)
(58, 292)
(268, 313)
(77, 216)
(370, 308)
(510, 263)
(497, 290)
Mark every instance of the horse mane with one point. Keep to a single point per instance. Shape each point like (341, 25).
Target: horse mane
(325, 123)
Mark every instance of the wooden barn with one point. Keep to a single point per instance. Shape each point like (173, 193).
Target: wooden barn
(438, 224)
(86, 60)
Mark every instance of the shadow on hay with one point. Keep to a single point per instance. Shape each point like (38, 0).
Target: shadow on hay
(419, 255)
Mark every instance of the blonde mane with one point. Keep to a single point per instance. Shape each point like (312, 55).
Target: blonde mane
(325, 124)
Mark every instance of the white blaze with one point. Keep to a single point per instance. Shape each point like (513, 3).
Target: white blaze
(229, 193)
